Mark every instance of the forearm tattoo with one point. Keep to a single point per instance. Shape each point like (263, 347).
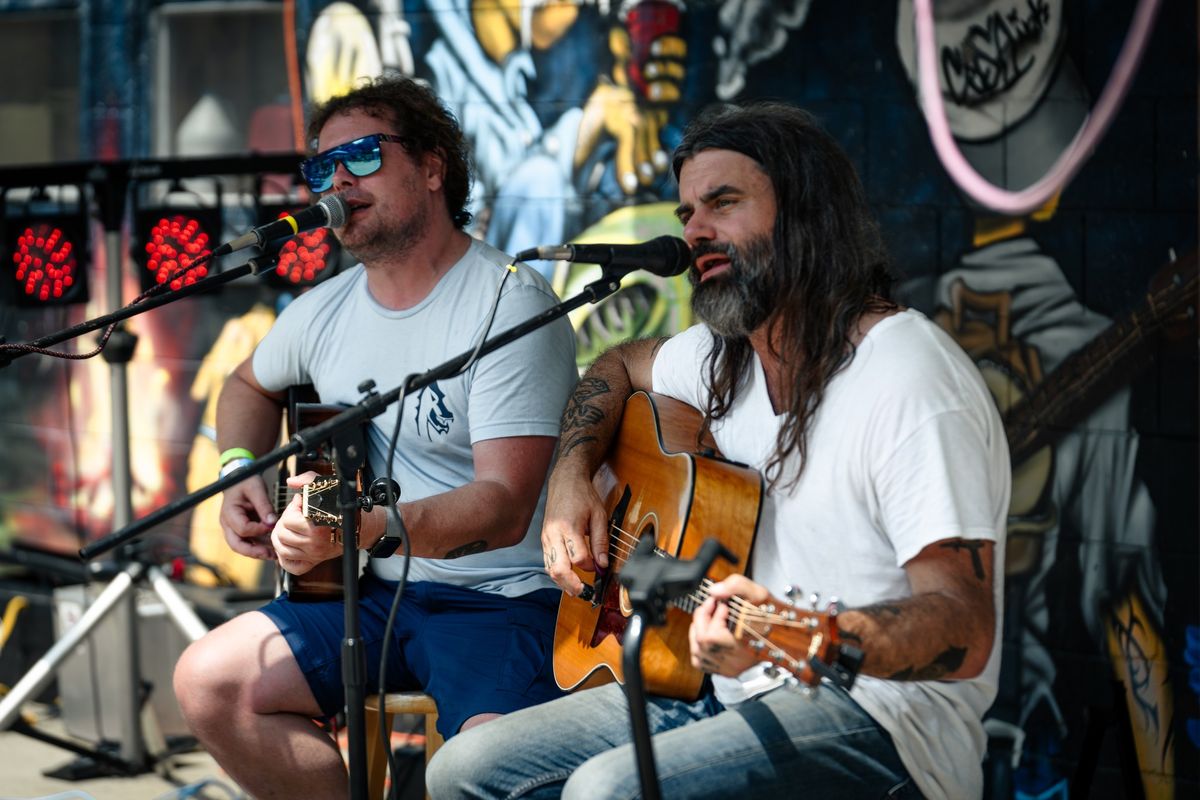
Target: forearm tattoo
(581, 415)
(974, 549)
(468, 549)
(943, 664)
(946, 663)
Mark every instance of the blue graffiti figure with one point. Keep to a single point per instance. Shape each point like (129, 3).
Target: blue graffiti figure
(1191, 654)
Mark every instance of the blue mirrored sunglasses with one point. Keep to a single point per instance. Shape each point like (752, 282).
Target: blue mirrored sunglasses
(360, 158)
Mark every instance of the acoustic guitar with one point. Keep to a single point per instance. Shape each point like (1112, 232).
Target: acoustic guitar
(324, 581)
(660, 481)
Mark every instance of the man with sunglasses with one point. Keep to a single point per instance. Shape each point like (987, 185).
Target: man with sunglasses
(474, 627)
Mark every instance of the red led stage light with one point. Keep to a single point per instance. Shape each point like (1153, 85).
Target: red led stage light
(173, 245)
(304, 259)
(46, 259)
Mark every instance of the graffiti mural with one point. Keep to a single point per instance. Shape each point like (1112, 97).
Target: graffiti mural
(1076, 313)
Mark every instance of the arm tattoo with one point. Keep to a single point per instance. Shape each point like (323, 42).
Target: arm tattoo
(973, 548)
(553, 555)
(571, 549)
(581, 415)
(469, 549)
(882, 613)
(944, 664)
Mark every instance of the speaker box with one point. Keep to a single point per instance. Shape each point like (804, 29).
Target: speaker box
(97, 682)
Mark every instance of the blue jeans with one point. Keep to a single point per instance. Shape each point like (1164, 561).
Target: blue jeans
(781, 744)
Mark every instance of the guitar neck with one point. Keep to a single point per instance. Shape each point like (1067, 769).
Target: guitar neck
(1091, 373)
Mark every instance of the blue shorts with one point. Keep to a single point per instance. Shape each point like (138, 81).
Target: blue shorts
(473, 652)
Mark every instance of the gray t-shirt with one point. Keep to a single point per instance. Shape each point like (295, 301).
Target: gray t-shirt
(336, 336)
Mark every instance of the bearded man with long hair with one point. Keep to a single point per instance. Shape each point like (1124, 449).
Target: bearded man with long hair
(887, 486)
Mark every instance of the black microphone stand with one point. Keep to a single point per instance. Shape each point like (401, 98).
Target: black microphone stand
(252, 267)
(349, 450)
(652, 583)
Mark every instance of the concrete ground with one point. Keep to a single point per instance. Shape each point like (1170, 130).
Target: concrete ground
(25, 760)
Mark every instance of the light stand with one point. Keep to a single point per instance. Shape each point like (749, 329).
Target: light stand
(372, 404)
(652, 583)
(133, 755)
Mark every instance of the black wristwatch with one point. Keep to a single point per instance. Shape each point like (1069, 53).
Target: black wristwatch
(392, 539)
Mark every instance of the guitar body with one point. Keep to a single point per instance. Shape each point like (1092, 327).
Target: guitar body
(655, 484)
(324, 581)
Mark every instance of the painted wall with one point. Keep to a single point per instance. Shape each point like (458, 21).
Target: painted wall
(572, 110)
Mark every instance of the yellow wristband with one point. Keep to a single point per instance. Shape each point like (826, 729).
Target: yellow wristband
(235, 452)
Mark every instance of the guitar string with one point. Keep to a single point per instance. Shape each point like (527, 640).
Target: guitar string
(741, 610)
(627, 542)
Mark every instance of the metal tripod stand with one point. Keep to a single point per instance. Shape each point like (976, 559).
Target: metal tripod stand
(134, 755)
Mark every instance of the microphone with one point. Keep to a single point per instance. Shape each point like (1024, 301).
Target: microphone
(330, 212)
(664, 256)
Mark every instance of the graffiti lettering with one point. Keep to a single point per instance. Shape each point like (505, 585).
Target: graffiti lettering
(989, 59)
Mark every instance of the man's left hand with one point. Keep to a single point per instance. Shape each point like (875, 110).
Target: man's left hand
(713, 646)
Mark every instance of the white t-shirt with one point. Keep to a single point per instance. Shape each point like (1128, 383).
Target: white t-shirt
(336, 335)
(905, 450)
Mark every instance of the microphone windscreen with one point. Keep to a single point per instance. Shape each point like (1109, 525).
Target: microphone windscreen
(335, 209)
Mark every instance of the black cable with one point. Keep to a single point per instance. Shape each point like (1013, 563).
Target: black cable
(153, 291)
(394, 515)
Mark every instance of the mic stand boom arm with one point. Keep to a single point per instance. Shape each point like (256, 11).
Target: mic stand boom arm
(370, 406)
(9, 352)
(348, 451)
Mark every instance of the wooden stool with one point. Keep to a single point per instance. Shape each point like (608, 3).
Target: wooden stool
(377, 749)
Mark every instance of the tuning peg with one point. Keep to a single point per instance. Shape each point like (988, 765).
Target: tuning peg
(771, 672)
(835, 606)
(792, 592)
(813, 600)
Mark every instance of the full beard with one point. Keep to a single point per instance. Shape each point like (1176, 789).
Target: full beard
(739, 302)
(388, 238)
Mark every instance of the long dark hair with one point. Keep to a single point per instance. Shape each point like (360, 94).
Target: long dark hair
(420, 117)
(830, 265)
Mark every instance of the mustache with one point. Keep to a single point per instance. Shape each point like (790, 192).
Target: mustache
(727, 249)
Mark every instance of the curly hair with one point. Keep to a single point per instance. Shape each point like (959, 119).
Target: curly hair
(419, 116)
(830, 266)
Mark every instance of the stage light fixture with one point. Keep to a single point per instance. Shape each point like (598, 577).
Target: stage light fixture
(171, 240)
(302, 260)
(46, 254)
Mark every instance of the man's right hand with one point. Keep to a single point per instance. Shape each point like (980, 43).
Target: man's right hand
(575, 517)
(247, 518)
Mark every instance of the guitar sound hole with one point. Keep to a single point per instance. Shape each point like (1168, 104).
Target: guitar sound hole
(647, 532)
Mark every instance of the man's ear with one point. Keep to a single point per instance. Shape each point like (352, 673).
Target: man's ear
(435, 170)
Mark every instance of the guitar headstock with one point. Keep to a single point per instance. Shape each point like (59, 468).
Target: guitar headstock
(319, 502)
(805, 643)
